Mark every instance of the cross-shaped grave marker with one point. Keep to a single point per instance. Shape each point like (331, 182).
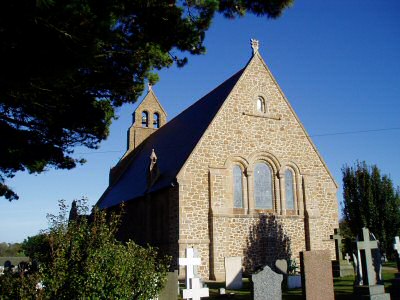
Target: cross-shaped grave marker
(367, 245)
(338, 244)
(190, 261)
(396, 245)
(347, 257)
(196, 292)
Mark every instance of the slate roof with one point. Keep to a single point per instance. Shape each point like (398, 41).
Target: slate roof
(173, 143)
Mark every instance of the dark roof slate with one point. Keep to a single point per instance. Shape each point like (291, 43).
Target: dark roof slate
(172, 143)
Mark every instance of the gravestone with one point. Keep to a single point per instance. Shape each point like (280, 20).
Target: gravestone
(369, 265)
(196, 292)
(340, 267)
(282, 265)
(347, 258)
(171, 289)
(267, 285)
(396, 248)
(316, 273)
(189, 261)
(233, 273)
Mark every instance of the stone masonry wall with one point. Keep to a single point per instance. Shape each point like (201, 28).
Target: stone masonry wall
(239, 134)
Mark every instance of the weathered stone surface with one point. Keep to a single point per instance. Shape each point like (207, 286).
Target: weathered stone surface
(241, 135)
(316, 272)
(170, 291)
(267, 285)
(233, 273)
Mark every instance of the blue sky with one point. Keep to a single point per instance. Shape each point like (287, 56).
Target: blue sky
(338, 63)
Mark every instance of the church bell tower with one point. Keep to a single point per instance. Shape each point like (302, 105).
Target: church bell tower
(147, 118)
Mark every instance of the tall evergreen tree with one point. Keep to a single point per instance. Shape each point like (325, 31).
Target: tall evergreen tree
(67, 64)
(370, 200)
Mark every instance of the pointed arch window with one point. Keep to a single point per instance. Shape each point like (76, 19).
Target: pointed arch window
(289, 189)
(145, 119)
(263, 186)
(261, 105)
(156, 120)
(237, 187)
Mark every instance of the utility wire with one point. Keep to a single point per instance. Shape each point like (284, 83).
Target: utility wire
(353, 132)
(313, 135)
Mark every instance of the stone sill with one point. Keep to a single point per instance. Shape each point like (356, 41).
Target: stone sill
(253, 214)
(262, 116)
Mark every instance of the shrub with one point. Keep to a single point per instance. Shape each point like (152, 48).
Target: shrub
(83, 260)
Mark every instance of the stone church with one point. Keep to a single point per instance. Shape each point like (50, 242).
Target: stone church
(233, 175)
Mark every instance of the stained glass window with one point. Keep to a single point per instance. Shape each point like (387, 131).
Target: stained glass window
(262, 186)
(237, 187)
(289, 189)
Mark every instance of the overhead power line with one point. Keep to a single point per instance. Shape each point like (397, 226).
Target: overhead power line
(312, 135)
(356, 131)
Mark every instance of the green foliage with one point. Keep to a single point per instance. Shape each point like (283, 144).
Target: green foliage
(348, 244)
(37, 247)
(19, 285)
(82, 260)
(7, 249)
(293, 268)
(371, 201)
(66, 66)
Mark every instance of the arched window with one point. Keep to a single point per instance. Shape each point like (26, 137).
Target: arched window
(289, 189)
(237, 187)
(261, 105)
(145, 119)
(262, 186)
(156, 120)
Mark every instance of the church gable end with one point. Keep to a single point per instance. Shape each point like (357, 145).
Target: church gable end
(240, 177)
(255, 158)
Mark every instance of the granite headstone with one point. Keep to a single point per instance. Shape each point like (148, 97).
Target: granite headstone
(369, 265)
(267, 285)
(316, 272)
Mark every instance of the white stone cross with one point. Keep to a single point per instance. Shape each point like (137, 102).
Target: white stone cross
(196, 292)
(367, 245)
(396, 245)
(347, 257)
(190, 261)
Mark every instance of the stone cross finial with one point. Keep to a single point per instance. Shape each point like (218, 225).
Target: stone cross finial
(149, 86)
(190, 261)
(254, 44)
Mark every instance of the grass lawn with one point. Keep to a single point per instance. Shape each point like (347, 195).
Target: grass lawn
(343, 287)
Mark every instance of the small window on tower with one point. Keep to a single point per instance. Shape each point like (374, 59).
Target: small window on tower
(261, 105)
(145, 119)
(156, 122)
